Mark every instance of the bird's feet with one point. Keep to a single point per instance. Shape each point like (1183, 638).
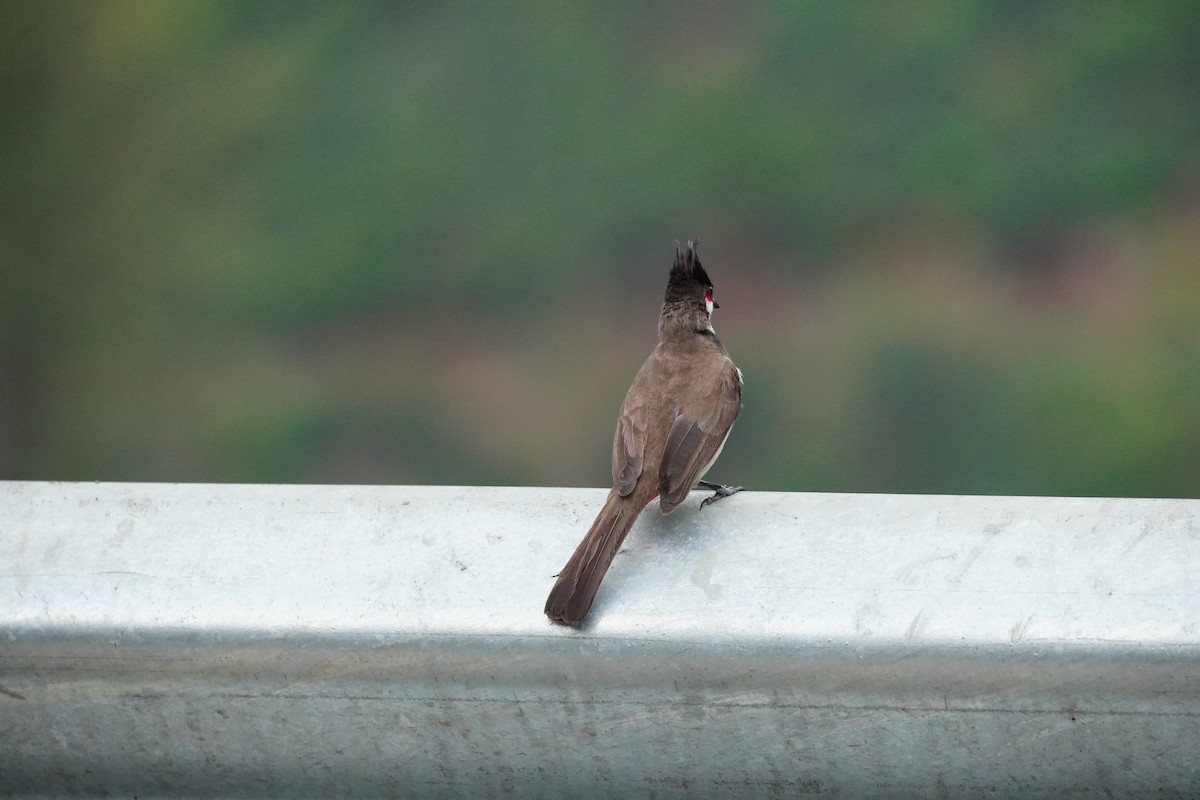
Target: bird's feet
(720, 491)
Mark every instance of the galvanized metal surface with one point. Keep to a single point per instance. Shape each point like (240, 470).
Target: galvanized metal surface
(306, 641)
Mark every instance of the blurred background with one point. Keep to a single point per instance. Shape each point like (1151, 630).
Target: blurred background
(956, 244)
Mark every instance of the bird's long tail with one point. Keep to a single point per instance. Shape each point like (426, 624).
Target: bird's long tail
(577, 584)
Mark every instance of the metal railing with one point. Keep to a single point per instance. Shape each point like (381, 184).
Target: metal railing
(306, 641)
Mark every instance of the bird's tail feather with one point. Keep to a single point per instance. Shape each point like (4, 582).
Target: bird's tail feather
(577, 584)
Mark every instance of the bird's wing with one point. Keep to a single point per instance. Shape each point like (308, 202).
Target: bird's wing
(629, 447)
(698, 433)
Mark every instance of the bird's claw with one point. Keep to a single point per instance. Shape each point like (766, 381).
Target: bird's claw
(720, 491)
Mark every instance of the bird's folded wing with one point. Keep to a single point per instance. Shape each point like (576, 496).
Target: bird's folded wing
(696, 437)
(629, 447)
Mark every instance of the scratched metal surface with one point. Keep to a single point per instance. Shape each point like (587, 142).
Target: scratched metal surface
(305, 641)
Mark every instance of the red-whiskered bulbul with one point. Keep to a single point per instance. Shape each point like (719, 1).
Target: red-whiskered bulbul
(672, 426)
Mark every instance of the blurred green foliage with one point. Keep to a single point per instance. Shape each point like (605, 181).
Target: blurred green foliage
(955, 243)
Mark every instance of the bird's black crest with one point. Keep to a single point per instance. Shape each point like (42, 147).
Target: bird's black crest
(687, 269)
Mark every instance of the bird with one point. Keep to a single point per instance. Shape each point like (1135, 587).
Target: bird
(671, 427)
